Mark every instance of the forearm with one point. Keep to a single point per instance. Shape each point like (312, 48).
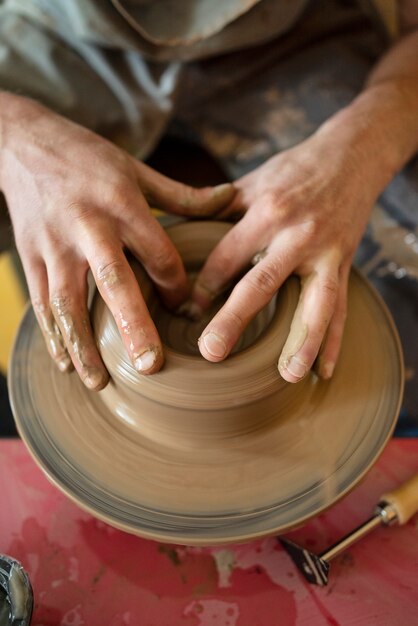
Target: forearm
(395, 79)
(381, 124)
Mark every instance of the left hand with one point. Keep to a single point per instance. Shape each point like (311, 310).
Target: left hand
(307, 208)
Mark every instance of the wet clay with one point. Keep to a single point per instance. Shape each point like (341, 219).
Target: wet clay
(78, 337)
(202, 452)
(52, 335)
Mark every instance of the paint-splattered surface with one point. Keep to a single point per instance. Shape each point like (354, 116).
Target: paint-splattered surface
(86, 573)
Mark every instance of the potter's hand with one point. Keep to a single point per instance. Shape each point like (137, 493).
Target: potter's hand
(306, 209)
(76, 201)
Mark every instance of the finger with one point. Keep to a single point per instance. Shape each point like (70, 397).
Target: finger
(227, 260)
(248, 297)
(120, 290)
(37, 281)
(68, 302)
(151, 245)
(235, 208)
(167, 194)
(330, 350)
(316, 306)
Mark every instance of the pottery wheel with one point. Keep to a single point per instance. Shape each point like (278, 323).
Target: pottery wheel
(205, 453)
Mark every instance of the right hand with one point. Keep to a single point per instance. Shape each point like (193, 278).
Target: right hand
(76, 201)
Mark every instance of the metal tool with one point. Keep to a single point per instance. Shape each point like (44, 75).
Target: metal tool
(395, 507)
(16, 595)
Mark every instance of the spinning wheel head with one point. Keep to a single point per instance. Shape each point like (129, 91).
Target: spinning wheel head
(205, 453)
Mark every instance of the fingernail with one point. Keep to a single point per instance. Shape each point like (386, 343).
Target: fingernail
(191, 310)
(95, 379)
(202, 296)
(64, 364)
(215, 345)
(326, 369)
(294, 366)
(224, 189)
(145, 361)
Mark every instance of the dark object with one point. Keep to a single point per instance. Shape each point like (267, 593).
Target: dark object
(315, 567)
(16, 596)
(186, 162)
(398, 506)
(7, 425)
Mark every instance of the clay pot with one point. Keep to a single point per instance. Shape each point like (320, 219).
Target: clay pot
(192, 400)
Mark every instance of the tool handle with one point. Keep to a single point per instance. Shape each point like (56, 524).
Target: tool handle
(404, 499)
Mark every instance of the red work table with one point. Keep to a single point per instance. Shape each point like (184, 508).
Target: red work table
(86, 573)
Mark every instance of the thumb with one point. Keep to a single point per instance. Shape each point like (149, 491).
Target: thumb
(174, 197)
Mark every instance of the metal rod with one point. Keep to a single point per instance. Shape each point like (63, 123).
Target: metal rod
(348, 540)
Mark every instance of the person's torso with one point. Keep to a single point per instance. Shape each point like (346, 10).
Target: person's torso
(185, 30)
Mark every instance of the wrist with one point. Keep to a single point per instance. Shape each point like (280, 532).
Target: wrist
(380, 127)
(15, 111)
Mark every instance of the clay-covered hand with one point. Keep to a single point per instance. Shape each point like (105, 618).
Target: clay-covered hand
(305, 211)
(308, 208)
(76, 202)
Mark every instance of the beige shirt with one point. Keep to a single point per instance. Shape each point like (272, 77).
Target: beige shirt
(122, 61)
(191, 29)
(167, 30)
(182, 30)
